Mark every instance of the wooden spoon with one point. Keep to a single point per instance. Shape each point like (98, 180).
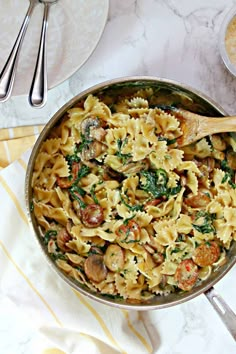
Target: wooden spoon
(195, 126)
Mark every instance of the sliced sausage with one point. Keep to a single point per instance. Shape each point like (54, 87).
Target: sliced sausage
(206, 254)
(201, 200)
(95, 268)
(129, 232)
(66, 182)
(186, 274)
(62, 238)
(92, 215)
(114, 258)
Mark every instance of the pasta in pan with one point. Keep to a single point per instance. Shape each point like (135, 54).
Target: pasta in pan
(124, 210)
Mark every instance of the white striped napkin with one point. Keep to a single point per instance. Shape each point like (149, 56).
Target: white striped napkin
(72, 323)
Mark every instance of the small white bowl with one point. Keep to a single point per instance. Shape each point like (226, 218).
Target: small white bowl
(229, 18)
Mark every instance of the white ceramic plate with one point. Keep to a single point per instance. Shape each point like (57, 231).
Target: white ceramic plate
(74, 30)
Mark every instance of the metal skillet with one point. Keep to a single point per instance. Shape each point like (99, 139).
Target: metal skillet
(184, 97)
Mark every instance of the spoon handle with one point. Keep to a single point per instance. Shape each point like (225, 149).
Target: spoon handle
(217, 125)
(8, 73)
(38, 89)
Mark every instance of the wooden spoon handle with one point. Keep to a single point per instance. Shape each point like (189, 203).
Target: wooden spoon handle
(216, 125)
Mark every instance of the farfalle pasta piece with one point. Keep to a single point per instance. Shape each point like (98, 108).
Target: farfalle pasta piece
(46, 196)
(223, 231)
(40, 163)
(68, 147)
(138, 102)
(192, 182)
(51, 146)
(230, 216)
(214, 207)
(60, 166)
(200, 149)
(184, 224)
(169, 267)
(162, 209)
(166, 232)
(79, 246)
(157, 156)
(43, 211)
(141, 148)
(188, 166)
(107, 286)
(132, 196)
(167, 122)
(155, 277)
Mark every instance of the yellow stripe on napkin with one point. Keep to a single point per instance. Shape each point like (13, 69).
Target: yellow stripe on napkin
(15, 141)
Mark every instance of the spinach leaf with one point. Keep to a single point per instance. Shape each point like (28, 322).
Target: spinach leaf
(76, 192)
(93, 195)
(206, 225)
(124, 157)
(73, 158)
(48, 235)
(85, 142)
(229, 174)
(156, 183)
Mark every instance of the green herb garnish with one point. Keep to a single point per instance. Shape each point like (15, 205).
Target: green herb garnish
(156, 183)
(124, 157)
(76, 192)
(229, 174)
(48, 235)
(206, 225)
(85, 142)
(168, 141)
(93, 195)
(73, 158)
(56, 256)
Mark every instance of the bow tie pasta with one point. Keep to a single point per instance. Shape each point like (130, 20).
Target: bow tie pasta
(126, 212)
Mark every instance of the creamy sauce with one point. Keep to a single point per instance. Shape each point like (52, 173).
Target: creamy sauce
(230, 41)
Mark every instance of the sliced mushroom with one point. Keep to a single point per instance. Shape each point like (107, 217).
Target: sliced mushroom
(109, 174)
(97, 133)
(88, 123)
(114, 258)
(93, 150)
(95, 268)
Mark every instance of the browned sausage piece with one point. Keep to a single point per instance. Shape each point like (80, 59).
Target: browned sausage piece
(63, 237)
(201, 200)
(92, 215)
(66, 182)
(206, 254)
(186, 274)
(129, 232)
(95, 268)
(114, 258)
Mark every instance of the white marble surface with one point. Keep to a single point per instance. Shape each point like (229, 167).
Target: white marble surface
(175, 39)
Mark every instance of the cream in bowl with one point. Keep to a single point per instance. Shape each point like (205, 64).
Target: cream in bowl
(122, 213)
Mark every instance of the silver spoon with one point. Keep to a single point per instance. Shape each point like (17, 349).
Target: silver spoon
(7, 76)
(38, 89)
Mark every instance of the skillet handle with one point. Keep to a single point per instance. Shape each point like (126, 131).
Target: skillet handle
(223, 310)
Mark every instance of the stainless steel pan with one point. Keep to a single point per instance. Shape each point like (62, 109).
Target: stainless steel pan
(190, 99)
